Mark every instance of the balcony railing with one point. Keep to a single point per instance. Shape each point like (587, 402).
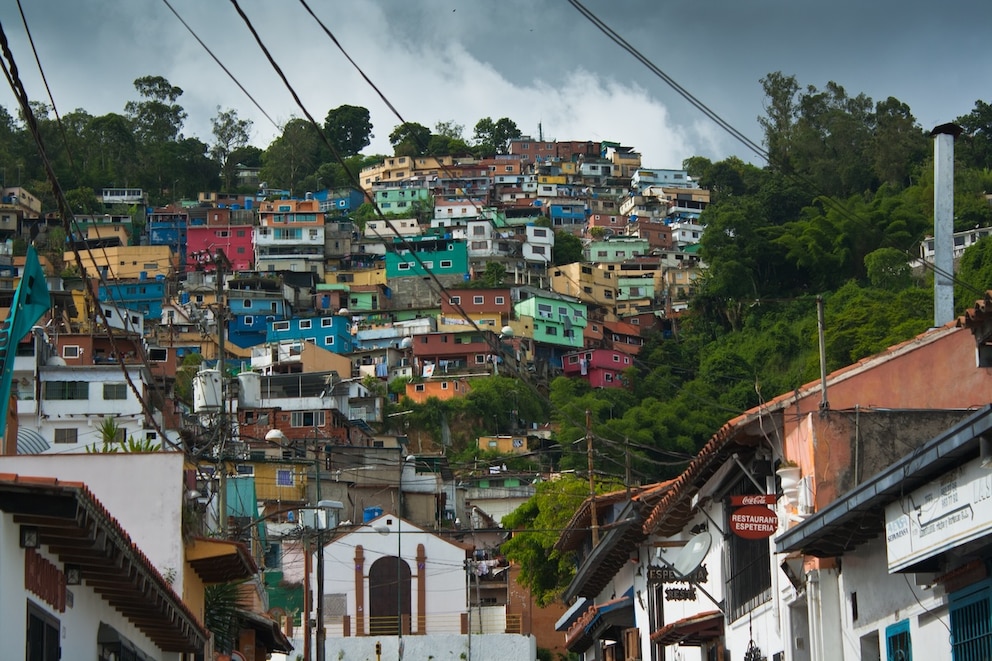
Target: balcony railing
(486, 620)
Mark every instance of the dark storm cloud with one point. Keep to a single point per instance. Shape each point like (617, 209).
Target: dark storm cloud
(540, 63)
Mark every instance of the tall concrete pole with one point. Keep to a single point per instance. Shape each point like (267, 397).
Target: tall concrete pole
(943, 222)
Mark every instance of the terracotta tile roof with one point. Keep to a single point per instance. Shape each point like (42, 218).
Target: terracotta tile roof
(577, 529)
(623, 327)
(77, 528)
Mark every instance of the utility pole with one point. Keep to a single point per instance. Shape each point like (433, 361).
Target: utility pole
(220, 262)
(820, 328)
(592, 483)
(626, 463)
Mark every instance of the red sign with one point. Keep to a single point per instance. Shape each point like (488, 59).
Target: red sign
(753, 522)
(753, 499)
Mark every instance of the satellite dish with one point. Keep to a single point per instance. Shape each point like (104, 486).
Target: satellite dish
(690, 556)
(506, 331)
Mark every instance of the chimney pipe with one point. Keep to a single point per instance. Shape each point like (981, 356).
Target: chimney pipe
(943, 222)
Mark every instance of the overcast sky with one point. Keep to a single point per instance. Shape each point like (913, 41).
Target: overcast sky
(538, 62)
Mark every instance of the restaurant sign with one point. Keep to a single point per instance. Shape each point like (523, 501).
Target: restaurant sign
(753, 522)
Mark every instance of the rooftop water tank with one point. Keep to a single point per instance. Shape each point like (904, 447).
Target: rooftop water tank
(207, 391)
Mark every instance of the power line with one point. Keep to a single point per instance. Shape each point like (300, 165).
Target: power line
(13, 79)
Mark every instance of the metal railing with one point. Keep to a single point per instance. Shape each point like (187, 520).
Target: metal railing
(491, 620)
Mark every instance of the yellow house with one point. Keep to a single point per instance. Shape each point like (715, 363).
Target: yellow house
(397, 168)
(365, 277)
(126, 262)
(588, 283)
(504, 444)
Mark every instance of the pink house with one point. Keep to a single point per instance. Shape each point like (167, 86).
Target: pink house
(218, 230)
(602, 368)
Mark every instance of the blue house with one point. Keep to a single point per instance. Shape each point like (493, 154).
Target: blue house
(340, 201)
(144, 296)
(331, 332)
(253, 303)
(167, 227)
(566, 214)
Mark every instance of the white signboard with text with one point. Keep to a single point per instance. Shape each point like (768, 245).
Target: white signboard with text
(951, 510)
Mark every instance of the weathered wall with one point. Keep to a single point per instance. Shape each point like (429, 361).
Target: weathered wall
(851, 446)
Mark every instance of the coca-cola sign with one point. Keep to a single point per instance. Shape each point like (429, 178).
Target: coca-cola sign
(753, 499)
(753, 522)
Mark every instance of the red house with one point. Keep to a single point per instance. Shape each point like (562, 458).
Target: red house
(622, 336)
(454, 352)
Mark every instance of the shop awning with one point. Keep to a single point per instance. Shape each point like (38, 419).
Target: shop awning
(613, 613)
(597, 619)
(572, 614)
(693, 631)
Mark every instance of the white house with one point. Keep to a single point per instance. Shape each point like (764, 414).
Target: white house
(398, 585)
(75, 587)
(76, 400)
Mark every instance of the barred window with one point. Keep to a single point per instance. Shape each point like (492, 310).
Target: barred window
(750, 579)
(61, 390)
(307, 419)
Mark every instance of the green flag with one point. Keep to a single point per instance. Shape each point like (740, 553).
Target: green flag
(31, 302)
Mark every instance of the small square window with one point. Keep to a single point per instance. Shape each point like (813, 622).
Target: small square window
(115, 391)
(66, 435)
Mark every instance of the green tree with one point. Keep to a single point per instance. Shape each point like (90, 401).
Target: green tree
(221, 605)
(568, 248)
(410, 139)
(898, 144)
(230, 134)
(779, 119)
(974, 273)
(975, 150)
(493, 137)
(888, 269)
(292, 156)
(83, 200)
(112, 441)
(447, 139)
(494, 275)
(348, 129)
(535, 527)
(864, 321)
(157, 118)
(112, 148)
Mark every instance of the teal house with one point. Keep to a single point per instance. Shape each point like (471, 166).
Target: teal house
(423, 255)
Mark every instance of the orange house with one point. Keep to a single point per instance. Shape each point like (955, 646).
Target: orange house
(441, 388)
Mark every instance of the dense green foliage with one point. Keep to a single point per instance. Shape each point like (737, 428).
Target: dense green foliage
(538, 522)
